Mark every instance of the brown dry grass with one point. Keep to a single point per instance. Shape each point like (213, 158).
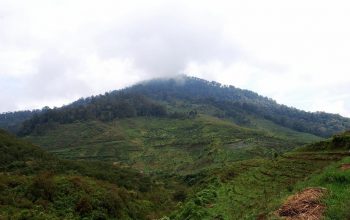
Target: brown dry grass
(305, 205)
(345, 166)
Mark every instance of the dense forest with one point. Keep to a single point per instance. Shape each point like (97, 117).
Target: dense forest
(240, 103)
(12, 121)
(103, 107)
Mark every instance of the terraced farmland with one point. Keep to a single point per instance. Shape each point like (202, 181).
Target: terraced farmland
(254, 189)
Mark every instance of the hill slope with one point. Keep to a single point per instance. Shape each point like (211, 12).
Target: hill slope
(176, 125)
(168, 144)
(255, 189)
(12, 121)
(37, 185)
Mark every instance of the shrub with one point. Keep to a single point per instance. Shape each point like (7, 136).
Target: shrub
(83, 206)
(113, 203)
(43, 186)
(338, 178)
(180, 196)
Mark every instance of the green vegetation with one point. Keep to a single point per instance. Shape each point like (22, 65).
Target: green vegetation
(187, 149)
(337, 182)
(36, 185)
(340, 142)
(177, 98)
(175, 145)
(12, 121)
(227, 189)
(104, 108)
(239, 104)
(252, 188)
(246, 189)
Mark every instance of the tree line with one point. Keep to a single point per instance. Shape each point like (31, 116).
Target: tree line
(105, 107)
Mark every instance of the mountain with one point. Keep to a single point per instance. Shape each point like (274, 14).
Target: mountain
(239, 104)
(180, 148)
(180, 97)
(176, 124)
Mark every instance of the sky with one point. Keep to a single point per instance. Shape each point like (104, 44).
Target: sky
(53, 52)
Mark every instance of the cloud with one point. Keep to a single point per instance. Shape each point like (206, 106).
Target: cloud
(165, 41)
(52, 52)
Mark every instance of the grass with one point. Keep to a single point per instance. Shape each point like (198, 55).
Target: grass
(256, 188)
(337, 183)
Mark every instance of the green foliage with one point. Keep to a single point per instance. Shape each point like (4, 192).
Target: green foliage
(42, 187)
(103, 107)
(224, 189)
(163, 144)
(12, 121)
(189, 150)
(239, 104)
(168, 97)
(48, 188)
(255, 188)
(339, 142)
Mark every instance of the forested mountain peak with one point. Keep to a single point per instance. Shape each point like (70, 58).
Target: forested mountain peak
(161, 97)
(183, 86)
(240, 103)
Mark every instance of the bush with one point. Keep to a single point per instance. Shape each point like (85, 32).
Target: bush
(113, 203)
(180, 196)
(83, 206)
(43, 186)
(338, 178)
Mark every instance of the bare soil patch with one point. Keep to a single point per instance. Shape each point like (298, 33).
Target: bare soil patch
(305, 205)
(345, 166)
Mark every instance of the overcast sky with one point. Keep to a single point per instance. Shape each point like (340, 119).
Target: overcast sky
(55, 51)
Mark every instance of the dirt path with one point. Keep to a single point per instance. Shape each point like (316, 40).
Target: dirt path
(304, 205)
(345, 166)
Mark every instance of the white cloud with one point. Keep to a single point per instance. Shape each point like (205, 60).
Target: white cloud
(56, 51)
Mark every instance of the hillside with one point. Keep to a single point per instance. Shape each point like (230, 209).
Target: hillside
(37, 185)
(257, 189)
(12, 121)
(173, 145)
(339, 142)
